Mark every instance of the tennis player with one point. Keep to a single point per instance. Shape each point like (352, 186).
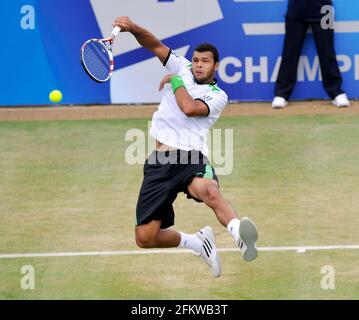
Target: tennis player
(190, 106)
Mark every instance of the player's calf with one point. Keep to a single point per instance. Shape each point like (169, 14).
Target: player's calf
(212, 196)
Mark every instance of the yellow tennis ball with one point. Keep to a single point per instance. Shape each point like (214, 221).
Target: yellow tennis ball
(55, 96)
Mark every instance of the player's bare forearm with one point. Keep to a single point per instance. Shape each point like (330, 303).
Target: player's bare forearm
(184, 100)
(144, 37)
(189, 106)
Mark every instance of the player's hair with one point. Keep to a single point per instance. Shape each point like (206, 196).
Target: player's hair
(204, 47)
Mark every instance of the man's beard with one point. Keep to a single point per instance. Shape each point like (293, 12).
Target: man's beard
(203, 80)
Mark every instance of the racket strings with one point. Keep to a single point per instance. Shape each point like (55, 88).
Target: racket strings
(97, 60)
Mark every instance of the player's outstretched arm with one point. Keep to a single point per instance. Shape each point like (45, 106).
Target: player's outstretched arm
(145, 38)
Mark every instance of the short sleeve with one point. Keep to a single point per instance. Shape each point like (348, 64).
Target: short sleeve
(215, 101)
(175, 63)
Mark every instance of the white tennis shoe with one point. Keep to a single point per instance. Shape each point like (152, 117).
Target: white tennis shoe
(341, 101)
(209, 252)
(248, 236)
(279, 103)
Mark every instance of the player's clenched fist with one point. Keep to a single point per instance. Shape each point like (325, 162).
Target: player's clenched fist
(125, 23)
(166, 79)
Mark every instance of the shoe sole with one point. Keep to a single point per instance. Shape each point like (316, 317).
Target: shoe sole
(249, 235)
(218, 274)
(341, 105)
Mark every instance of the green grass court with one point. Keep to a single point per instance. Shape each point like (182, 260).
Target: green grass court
(65, 187)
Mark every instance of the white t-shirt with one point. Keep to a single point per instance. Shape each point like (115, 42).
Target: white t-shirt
(171, 126)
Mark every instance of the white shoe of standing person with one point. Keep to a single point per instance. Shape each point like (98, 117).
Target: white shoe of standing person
(279, 103)
(341, 101)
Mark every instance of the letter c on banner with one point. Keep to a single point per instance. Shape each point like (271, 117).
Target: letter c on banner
(222, 71)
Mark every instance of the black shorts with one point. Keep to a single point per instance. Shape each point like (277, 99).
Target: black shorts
(165, 175)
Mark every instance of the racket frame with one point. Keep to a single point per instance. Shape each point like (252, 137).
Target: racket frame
(107, 45)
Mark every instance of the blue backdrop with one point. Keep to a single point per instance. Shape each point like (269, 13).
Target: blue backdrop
(43, 47)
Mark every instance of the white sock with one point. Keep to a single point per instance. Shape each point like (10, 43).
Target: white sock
(190, 241)
(233, 229)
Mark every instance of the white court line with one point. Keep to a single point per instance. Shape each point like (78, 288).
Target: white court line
(167, 251)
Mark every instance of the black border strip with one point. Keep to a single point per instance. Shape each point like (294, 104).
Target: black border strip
(209, 110)
(168, 57)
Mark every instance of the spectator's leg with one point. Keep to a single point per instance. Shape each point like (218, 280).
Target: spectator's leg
(332, 78)
(293, 44)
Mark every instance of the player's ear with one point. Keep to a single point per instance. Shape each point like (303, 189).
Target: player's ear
(216, 66)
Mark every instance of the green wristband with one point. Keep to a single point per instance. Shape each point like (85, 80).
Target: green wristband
(177, 82)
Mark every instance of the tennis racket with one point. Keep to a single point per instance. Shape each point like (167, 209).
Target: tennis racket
(97, 57)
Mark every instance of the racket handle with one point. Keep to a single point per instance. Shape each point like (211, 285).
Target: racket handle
(115, 32)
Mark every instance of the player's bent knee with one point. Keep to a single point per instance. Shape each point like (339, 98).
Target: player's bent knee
(212, 195)
(144, 243)
(145, 240)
